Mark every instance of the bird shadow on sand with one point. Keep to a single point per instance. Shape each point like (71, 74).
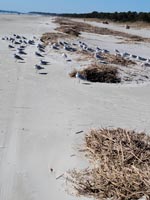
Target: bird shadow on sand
(43, 73)
(86, 83)
(21, 62)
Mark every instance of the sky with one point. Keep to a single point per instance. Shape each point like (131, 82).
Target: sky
(75, 6)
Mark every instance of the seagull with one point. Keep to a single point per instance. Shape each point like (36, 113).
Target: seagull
(105, 51)
(22, 52)
(125, 54)
(80, 77)
(90, 49)
(97, 56)
(11, 47)
(38, 67)
(98, 49)
(74, 44)
(148, 60)
(133, 56)
(145, 65)
(66, 43)
(16, 42)
(61, 43)
(41, 49)
(64, 55)
(43, 62)
(25, 42)
(55, 47)
(38, 54)
(12, 39)
(41, 46)
(31, 42)
(67, 48)
(24, 38)
(117, 51)
(18, 37)
(18, 57)
(22, 47)
(141, 58)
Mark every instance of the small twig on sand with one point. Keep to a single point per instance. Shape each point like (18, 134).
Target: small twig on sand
(59, 176)
(79, 132)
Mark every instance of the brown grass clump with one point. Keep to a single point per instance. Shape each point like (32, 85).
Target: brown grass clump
(83, 55)
(70, 30)
(120, 165)
(117, 60)
(67, 27)
(63, 21)
(99, 73)
(52, 37)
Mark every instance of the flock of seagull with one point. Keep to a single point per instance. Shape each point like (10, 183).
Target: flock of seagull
(97, 52)
(18, 44)
(144, 61)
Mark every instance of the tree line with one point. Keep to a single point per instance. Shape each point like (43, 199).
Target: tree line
(116, 16)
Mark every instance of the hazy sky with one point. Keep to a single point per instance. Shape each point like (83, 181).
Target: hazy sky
(79, 6)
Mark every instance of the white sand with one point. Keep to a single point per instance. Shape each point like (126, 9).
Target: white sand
(40, 114)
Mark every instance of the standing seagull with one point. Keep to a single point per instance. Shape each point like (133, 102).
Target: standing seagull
(24, 38)
(18, 57)
(80, 76)
(38, 54)
(38, 67)
(43, 62)
(10, 46)
(22, 52)
(31, 42)
(41, 49)
(16, 42)
(40, 46)
(97, 56)
(64, 55)
(117, 51)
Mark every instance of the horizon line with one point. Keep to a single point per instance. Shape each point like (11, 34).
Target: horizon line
(44, 12)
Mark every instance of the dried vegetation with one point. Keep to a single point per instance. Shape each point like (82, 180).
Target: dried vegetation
(52, 37)
(78, 27)
(69, 28)
(98, 73)
(120, 165)
(117, 60)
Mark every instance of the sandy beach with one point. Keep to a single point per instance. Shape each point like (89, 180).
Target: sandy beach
(41, 112)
